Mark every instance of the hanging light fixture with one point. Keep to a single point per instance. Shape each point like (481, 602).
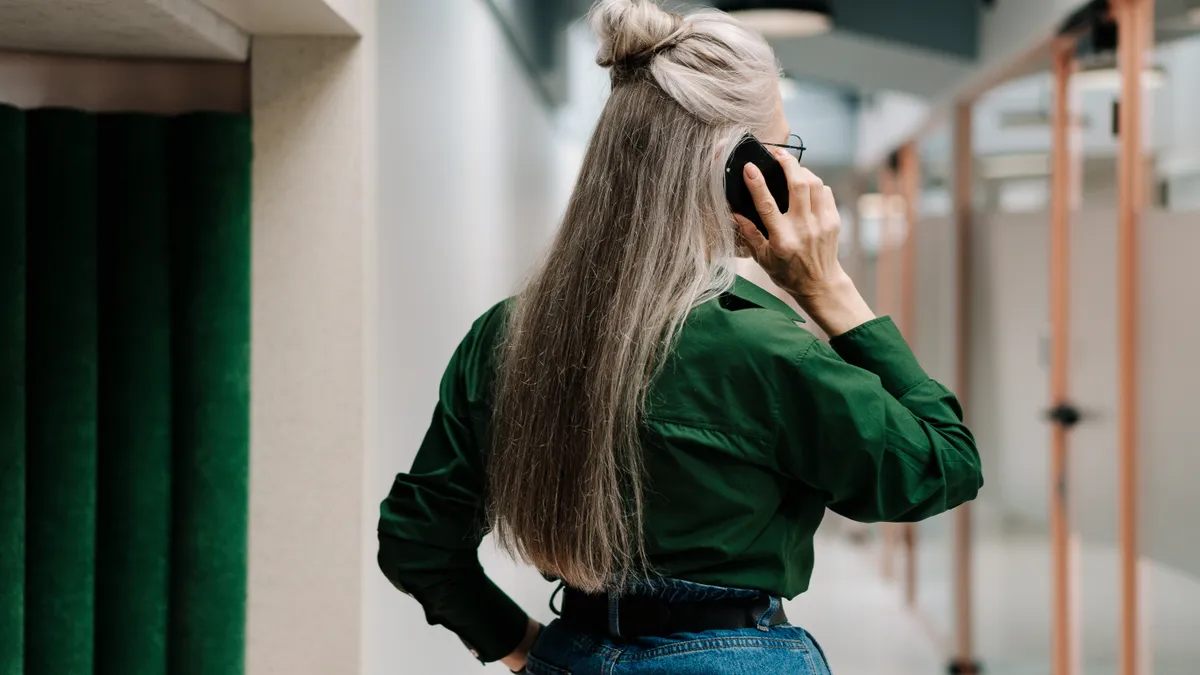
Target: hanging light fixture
(1099, 70)
(782, 18)
(1107, 77)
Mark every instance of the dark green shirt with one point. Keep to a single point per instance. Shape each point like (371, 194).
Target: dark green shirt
(754, 427)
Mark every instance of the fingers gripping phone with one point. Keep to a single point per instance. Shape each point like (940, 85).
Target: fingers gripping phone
(751, 151)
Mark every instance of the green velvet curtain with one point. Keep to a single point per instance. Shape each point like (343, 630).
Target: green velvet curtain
(124, 392)
(12, 391)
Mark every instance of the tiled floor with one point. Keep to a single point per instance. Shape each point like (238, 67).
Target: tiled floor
(860, 620)
(866, 630)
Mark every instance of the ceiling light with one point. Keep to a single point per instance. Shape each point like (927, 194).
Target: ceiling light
(782, 18)
(1099, 61)
(1038, 119)
(1108, 78)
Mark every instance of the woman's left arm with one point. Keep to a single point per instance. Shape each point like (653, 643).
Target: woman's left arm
(432, 522)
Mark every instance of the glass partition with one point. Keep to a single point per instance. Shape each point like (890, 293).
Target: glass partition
(1170, 568)
(1009, 280)
(933, 336)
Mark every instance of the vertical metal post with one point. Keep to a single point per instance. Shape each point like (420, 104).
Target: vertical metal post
(909, 188)
(885, 277)
(909, 180)
(1060, 261)
(964, 626)
(885, 283)
(1134, 22)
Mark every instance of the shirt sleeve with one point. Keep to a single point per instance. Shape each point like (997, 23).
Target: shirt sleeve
(870, 429)
(431, 525)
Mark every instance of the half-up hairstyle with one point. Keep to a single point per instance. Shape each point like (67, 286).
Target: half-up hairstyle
(647, 236)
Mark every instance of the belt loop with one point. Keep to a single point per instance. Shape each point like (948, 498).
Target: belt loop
(614, 614)
(764, 621)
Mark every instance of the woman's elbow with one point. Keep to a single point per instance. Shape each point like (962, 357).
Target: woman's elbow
(391, 562)
(967, 480)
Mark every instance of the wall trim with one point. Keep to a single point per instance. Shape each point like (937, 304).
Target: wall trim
(97, 84)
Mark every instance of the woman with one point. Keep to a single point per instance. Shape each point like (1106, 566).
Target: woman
(652, 430)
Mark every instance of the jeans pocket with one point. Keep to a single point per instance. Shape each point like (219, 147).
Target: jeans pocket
(536, 666)
(556, 645)
(820, 663)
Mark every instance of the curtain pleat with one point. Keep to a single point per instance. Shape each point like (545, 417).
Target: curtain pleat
(124, 392)
(12, 390)
(134, 490)
(61, 385)
(210, 229)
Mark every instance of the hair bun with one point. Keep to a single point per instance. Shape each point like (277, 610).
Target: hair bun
(631, 32)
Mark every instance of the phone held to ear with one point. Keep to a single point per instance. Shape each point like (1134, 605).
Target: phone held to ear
(751, 151)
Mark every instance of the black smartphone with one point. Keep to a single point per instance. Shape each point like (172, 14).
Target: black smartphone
(751, 151)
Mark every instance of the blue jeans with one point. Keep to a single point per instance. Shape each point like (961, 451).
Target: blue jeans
(761, 650)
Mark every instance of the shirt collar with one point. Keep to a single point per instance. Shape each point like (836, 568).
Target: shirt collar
(758, 296)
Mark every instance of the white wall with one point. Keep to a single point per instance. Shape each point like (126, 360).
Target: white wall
(469, 195)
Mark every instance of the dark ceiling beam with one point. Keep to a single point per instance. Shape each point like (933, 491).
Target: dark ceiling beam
(949, 27)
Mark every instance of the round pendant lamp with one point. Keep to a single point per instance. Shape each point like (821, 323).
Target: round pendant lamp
(781, 18)
(1099, 70)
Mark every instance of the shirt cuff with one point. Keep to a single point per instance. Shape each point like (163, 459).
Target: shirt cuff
(464, 600)
(878, 347)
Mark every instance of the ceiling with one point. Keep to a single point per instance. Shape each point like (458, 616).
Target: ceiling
(177, 29)
(292, 17)
(136, 28)
(914, 46)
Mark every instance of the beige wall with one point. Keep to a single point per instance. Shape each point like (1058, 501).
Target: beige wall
(312, 442)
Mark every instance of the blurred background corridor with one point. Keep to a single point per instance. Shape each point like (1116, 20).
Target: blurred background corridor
(1019, 183)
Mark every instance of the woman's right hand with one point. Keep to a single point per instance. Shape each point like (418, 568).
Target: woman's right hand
(801, 250)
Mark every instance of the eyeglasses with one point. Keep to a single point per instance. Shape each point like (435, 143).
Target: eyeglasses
(794, 146)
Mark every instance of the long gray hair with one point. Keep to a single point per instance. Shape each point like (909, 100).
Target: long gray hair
(647, 236)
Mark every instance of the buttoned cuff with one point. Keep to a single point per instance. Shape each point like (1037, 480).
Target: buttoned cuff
(877, 346)
(461, 598)
(494, 627)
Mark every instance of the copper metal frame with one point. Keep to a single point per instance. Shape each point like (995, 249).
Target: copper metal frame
(885, 279)
(1135, 29)
(964, 649)
(1135, 21)
(909, 186)
(909, 179)
(1060, 298)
